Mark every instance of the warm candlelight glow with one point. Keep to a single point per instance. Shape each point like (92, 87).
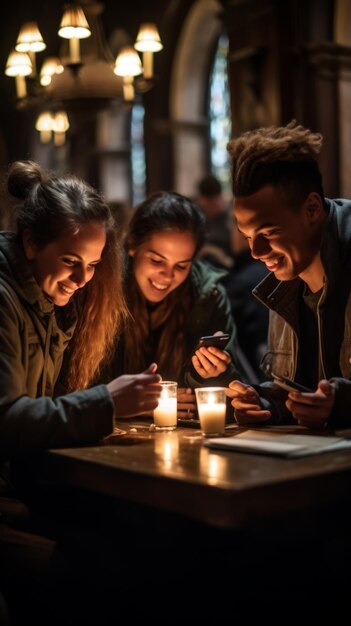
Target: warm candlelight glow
(211, 405)
(167, 448)
(165, 415)
(213, 466)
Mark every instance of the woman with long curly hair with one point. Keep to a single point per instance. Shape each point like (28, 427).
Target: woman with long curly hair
(174, 300)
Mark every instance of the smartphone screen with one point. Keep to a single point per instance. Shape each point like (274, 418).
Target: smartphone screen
(289, 385)
(218, 341)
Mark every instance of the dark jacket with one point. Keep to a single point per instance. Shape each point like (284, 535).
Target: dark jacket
(334, 320)
(210, 312)
(33, 337)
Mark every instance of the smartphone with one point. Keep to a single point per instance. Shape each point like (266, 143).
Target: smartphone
(218, 341)
(289, 385)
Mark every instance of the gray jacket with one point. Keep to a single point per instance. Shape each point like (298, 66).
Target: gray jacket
(334, 320)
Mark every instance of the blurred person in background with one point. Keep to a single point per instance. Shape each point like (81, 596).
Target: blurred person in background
(250, 316)
(217, 247)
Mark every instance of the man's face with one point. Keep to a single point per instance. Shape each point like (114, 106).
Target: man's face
(287, 240)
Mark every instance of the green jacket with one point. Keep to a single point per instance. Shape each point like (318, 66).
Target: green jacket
(33, 337)
(210, 312)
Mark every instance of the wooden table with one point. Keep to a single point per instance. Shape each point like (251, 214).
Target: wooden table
(174, 472)
(226, 537)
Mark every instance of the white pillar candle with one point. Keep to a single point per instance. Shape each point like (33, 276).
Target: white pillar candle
(211, 406)
(212, 417)
(165, 414)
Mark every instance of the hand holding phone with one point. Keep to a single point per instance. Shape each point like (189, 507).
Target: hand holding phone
(289, 385)
(218, 341)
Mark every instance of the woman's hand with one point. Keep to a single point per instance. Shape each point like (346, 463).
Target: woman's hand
(246, 403)
(211, 362)
(186, 403)
(312, 409)
(135, 394)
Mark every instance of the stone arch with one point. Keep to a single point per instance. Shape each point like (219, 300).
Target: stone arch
(189, 83)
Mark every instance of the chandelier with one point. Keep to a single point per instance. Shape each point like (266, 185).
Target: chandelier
(86, 74)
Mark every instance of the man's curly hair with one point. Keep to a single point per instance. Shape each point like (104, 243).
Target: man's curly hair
(285, 157)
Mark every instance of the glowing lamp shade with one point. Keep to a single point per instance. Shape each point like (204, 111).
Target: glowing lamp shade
(74, 26)
(44, 126)
(148, 39)
(29, 39)
(48, 123)
(60, 122)
(128, 63)
(18, 64)
(148, 42)
(60, 125)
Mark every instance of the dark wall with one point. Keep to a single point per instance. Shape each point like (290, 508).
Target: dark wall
(284, 64)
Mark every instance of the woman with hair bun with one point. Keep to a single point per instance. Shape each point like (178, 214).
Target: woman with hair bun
(60, 286)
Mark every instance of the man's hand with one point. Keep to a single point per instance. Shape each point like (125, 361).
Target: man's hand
(312, 409)
(246, 403)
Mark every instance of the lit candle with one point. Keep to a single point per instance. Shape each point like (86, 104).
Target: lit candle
(211, 406)
(165, 414)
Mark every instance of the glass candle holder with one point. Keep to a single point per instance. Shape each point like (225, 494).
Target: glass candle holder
(211, 406)
(165, 414)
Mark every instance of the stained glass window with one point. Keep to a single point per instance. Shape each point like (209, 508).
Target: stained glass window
(138, 154)
(220, 115)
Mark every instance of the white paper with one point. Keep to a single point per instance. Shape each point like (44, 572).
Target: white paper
(291, 446)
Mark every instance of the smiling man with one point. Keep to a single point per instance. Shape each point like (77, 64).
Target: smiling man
(304, 239)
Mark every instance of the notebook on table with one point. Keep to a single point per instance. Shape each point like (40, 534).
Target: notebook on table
(276, 444)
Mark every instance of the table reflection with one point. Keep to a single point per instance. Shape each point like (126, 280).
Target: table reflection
(212, 465)
(167, 448)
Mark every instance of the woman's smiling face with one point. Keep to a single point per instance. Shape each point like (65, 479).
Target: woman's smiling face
(68, 263)
(163, 262)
